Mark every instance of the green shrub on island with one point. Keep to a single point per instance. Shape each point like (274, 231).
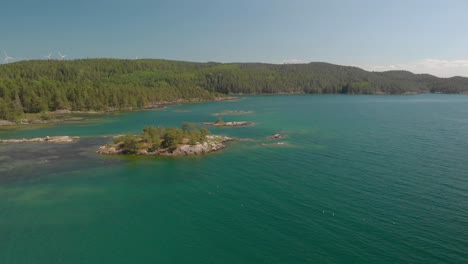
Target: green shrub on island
(172, 138)
(130, 144)
(45, 116)
(153, 138)
(204, 132)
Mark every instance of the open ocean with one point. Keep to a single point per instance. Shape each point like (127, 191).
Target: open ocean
(359, 179)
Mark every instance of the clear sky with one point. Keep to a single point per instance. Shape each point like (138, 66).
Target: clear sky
(420, 36)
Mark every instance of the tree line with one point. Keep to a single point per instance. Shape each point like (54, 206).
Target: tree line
(112, 84)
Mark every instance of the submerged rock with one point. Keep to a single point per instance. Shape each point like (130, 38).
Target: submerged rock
(274, 144)
(233, 112)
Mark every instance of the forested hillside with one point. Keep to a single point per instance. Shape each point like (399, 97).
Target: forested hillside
(109, 84)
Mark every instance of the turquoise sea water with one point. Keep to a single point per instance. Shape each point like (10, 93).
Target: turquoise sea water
(360, 179)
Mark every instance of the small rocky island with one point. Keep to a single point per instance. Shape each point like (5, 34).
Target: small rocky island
(221, 123)
(172, 141)
(276, 136)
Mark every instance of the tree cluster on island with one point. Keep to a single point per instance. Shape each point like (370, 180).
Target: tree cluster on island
(112, 84)
(152, 139)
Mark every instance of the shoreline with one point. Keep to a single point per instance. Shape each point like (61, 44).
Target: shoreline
(376, 93)
(77, 116)
(229, 97)
(52, 139)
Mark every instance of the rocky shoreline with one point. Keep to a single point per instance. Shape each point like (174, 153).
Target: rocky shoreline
(213, 143)
(26, 122)
(54, 139)
(58, 116)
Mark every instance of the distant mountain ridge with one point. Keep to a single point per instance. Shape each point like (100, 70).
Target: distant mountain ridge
(100, 84)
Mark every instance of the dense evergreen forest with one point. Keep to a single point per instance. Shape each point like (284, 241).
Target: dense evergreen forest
(113, 84)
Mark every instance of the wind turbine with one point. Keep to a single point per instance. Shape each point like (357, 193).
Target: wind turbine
(7, 58)
(61, 56)
(48, 56)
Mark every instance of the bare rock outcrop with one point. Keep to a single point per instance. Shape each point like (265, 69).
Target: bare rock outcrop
(276, 136)
(230, 123)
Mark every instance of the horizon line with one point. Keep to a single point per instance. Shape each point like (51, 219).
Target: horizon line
(367, 68)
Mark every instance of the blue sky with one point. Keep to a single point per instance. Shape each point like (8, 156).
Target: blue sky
(421, 36)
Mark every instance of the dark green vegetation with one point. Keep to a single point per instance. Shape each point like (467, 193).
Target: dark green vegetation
(153, 138)
(111, 84)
